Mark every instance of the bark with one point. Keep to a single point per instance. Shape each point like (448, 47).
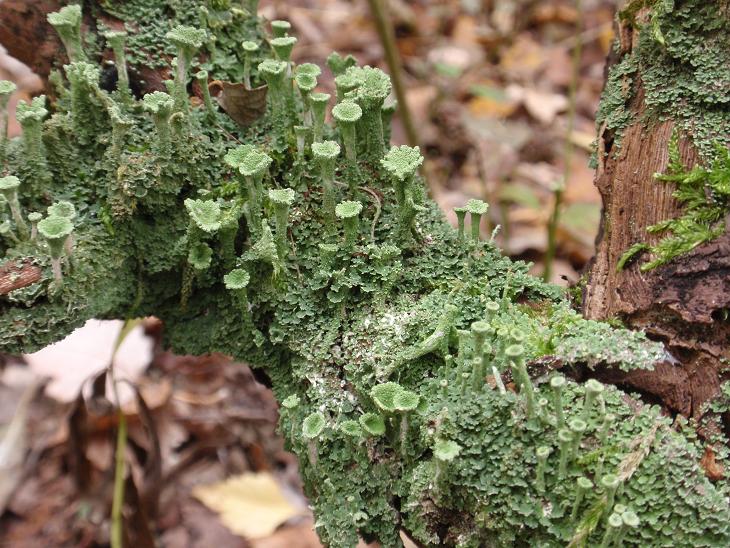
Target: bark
(27, 36)
(24, 32)
(680, 303)
(16, 275)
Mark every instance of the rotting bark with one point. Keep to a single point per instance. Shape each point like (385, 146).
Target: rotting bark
(24, 33)
(682, 303)
(16, 275)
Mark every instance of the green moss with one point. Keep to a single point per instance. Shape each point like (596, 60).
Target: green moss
(704, 192)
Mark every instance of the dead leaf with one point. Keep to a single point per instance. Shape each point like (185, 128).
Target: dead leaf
(244, 105)
(250, 505)
(713, 469)
(559, 13)
(13, 445)
(519, 194)
(523, 59)
(491, 100)
(465, 31)
(78, 428)
(301, 535)
(511, 134)
(544, 106)
(458, 58)
(86, 352)
(504, 15)
(420, 99)
(135, 523)
(580, 220)
(559, 67)
(542, 174)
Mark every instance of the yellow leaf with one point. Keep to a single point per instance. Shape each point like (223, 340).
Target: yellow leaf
(251, 505)
(491, 101)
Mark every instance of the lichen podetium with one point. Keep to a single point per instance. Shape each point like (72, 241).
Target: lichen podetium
(403, 354)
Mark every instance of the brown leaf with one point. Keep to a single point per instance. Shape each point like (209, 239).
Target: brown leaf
(135, 522)
(544, 106)
(713, 469)
(301, 535)
(78, 442)
(523, 59)
(244, 105)
(153, 466)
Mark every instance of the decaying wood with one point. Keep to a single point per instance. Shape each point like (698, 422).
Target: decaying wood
(682, 303)
(16, 275)
(26, 34)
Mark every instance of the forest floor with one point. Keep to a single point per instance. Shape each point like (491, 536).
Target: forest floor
(488, 86)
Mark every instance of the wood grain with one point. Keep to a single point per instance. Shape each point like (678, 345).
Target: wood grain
(18, 274)
(682, 303)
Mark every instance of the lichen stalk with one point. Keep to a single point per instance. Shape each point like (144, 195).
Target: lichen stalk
(542, 453)
(610, 483)
(318, 102)
(613, 526)
(161, 105)
(9, 189)
(187, 40)
(582, 486)
(556, 384)
(593, 389)
(202, 78)
(30, 116)
(67, 22)
(86, 113)
(116, 40)
(461, 221)
(325, 155)
(6, 91)
(281, 199)
(565, 440)
(249, 50)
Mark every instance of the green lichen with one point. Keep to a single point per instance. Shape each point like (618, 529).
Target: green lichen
(67, 22)
(680, 60)
(7, 88)
(414, 368)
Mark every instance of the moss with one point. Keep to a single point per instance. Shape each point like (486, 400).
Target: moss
(704, 193)
(186, 235)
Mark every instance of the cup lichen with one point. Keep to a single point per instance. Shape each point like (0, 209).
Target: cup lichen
(67, 22)
(56, 230)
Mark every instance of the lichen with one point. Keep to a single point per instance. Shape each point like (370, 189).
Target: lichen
(680, 60)
(410, 363)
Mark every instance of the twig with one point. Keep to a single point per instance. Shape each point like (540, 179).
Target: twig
(118, 498)
(378, 9)
(16, 275)
(378, 205)
(552, 227)
(121, 449)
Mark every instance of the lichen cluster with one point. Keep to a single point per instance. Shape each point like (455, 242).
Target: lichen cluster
(416, 367)
(678, 57)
